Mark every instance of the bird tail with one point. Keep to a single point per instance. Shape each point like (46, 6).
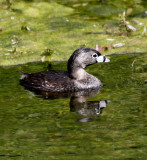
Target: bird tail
(23, 75)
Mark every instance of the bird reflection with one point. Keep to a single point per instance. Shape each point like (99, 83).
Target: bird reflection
(89, 109)
(79, 103)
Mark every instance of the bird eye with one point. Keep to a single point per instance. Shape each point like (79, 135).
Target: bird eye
(94, 55)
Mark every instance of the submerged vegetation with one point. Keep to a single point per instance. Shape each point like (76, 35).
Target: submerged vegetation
(27, 28)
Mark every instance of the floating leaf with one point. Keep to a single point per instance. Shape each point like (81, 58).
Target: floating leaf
(104, 48)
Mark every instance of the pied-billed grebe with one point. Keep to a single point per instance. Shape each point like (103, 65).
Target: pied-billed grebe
(74, 80)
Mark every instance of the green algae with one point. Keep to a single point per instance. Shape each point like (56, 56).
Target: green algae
(28, 28)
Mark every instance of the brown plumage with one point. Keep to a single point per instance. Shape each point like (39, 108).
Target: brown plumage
(73, 80)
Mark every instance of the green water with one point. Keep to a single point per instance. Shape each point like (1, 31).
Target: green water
(32, 127)
(36, 128)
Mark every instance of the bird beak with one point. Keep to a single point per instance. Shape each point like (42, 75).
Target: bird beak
(102, 58)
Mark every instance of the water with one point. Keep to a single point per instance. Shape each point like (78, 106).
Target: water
(33, 127)
(109, 125)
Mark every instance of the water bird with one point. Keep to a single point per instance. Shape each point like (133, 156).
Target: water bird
(75, 79)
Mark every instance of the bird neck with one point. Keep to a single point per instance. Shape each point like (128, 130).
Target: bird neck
(78, 73)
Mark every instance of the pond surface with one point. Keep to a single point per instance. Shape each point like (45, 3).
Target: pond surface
(29, 28)
(111, 124)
